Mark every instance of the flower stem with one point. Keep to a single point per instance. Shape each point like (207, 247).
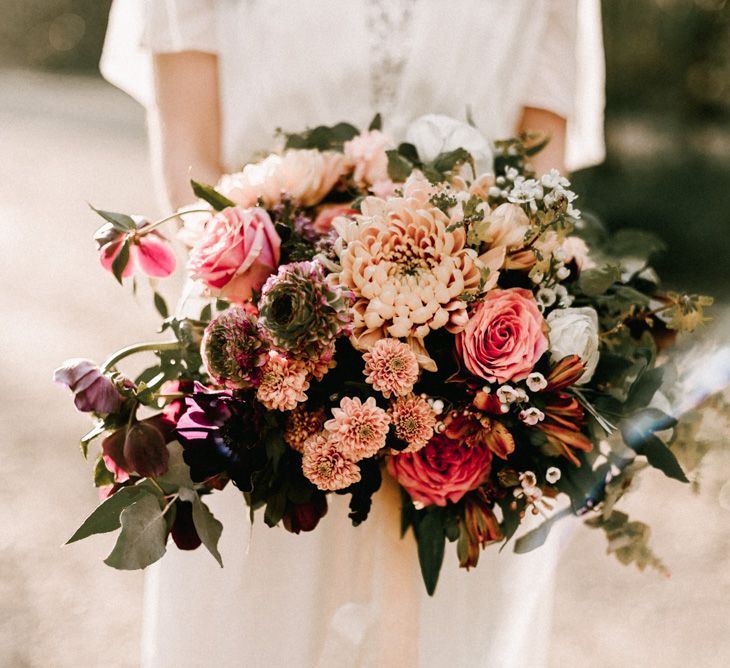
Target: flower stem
(139, 348)
(148, 228)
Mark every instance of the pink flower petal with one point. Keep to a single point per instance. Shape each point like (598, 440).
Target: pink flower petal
(107, 254)
(155, 257)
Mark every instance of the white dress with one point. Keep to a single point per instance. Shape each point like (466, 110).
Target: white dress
(342, 596)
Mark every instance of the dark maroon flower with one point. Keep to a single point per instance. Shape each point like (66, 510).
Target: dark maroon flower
(305, 516)
(183, 528)
(220, 434)
(141, 448)
(93, 391)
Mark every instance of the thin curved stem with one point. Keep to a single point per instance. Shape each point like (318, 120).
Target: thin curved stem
(139, 348)
(148, 228)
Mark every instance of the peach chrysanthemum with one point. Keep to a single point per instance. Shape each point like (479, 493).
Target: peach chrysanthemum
(406, 270)
(302, 423)
(391, 367)
(359, 429)
(283, 383)
(413, 420)
(325, 466)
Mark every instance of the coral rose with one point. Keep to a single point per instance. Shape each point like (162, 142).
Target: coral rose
(237, 253)
(444, 470)
(504, 337)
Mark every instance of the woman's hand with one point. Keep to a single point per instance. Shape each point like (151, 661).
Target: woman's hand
(552, 125)
(184, 125)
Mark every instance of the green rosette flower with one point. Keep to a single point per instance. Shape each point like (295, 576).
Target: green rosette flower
(234, 349)
(301, 313)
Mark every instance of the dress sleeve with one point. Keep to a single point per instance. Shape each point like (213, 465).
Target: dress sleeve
(568, 77)
(139, 28)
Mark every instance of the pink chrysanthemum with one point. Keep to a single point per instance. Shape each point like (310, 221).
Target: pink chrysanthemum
(391, 367)
(325, 466)
(302, 423)
(359, 429)
(413, 420)
(283, 383)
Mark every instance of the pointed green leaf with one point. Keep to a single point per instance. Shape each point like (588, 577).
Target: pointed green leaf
(97, 430)
(399, 168)
(120, 261)
(142, 539)
(102, 475)
(658, 455)
(431, 538)
(208, 527)
(161, 305)
(106, 517)
(376, 123)
(120, 221)
(211, 195)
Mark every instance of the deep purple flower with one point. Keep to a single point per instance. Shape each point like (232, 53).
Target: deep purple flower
(93, 391)
(219, 434)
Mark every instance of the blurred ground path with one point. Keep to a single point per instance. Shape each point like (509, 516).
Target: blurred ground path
(64, 141)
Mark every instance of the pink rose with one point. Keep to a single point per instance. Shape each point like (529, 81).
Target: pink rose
(237, 253)
(444, 470)
(504, 337)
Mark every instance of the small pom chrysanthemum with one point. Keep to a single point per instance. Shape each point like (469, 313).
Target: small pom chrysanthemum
(283, 383)
(320, 366)
(234, 349)
(358, 429)
(413, 420)
(391, 367)
(325, 466)
(302, 423)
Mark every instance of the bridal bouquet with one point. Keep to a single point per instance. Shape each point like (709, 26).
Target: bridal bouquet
(432, 311)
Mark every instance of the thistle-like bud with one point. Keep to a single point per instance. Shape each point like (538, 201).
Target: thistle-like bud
(234, 349)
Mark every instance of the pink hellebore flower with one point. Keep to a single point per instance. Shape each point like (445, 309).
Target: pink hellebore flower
(93, 391)
(150, 253)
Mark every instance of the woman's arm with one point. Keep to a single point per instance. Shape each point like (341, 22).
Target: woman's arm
(184, 125)
(554, 126)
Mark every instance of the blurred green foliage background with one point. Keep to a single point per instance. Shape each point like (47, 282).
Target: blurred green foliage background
(667, 116)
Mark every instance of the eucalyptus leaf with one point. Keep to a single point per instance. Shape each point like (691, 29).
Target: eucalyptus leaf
(595, 282)
(537, 537)
(142, 539)
(376, 123)
(211, 195)
(106, 517)
(178, 472)
(209, 529)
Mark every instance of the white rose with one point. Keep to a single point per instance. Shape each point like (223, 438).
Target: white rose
(574, 331)
(434, 134)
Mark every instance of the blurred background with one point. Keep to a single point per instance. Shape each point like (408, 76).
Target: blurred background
(67, 136)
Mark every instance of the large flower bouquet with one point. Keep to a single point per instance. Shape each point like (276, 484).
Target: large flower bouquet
(432, 311)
